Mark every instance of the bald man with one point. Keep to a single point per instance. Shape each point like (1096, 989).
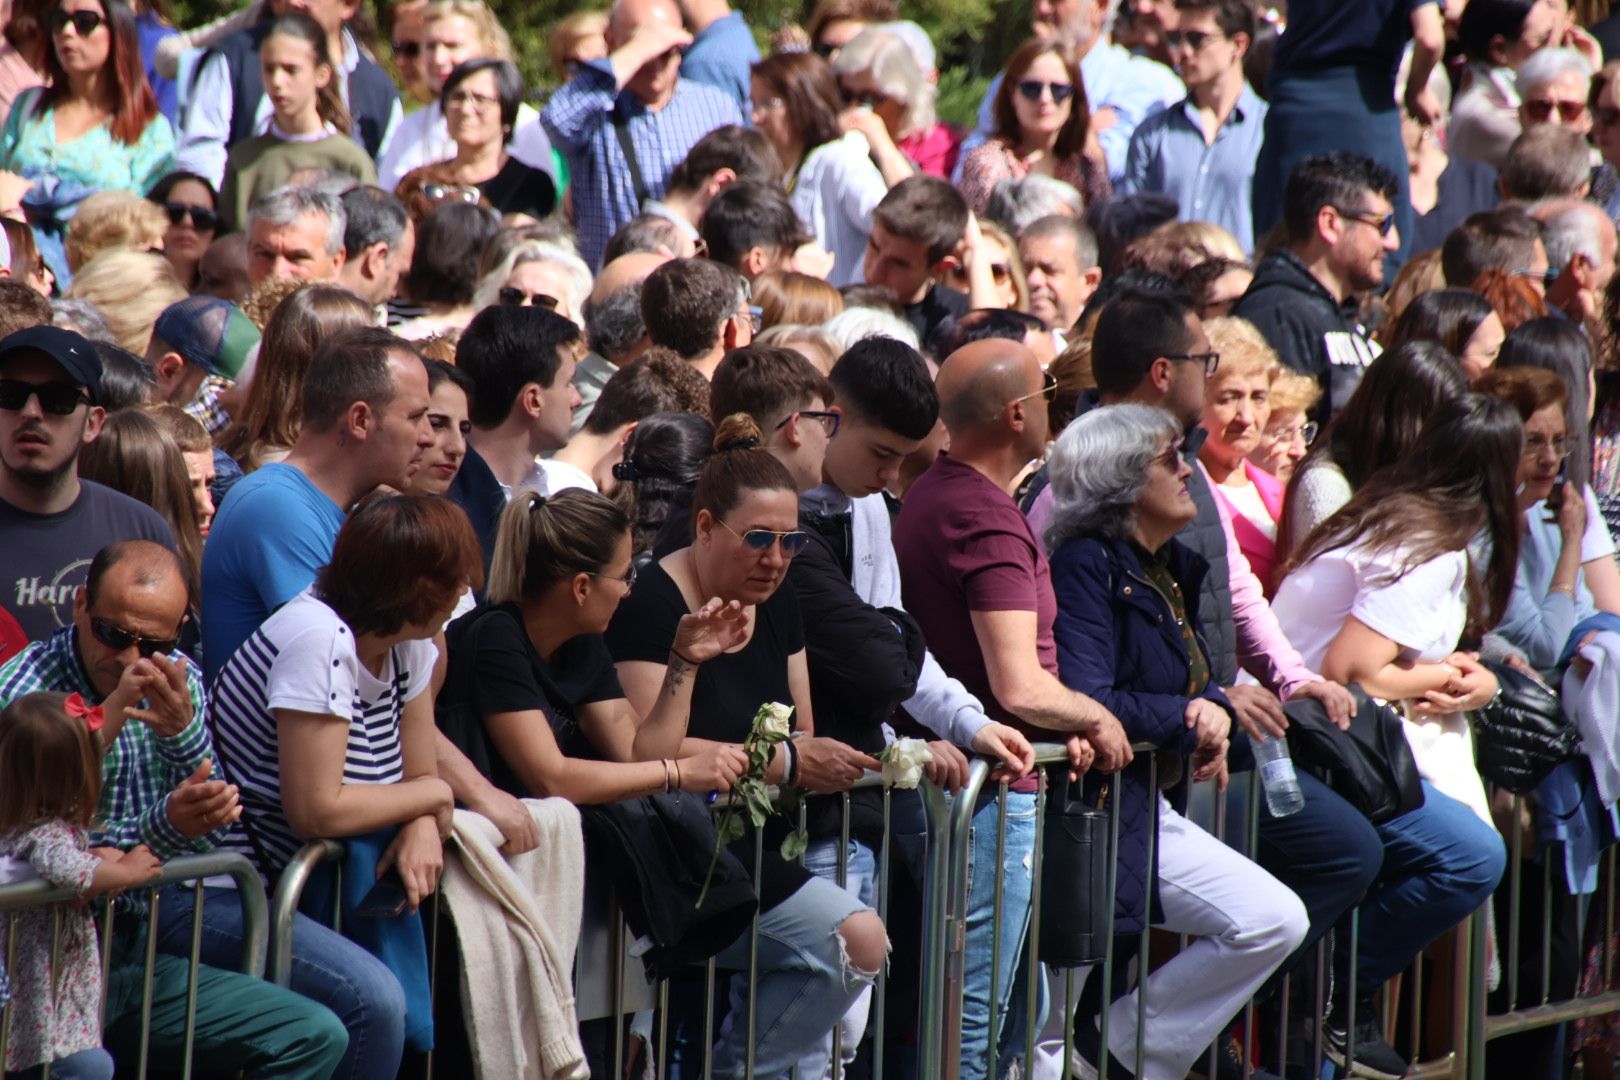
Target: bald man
(613, 327)
(625, 121)
(976, 580)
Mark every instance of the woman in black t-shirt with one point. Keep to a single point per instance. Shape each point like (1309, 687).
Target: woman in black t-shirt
(531, 695)
(819, 946)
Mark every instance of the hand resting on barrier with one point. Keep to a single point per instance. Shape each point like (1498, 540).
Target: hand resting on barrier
(1012, 753)
(827, 766)
(120, 870)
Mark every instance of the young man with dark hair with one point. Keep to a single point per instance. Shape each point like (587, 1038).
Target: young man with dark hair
(378, 242)
(1506, 239)
(725, 156)
(751, 227)
(1339, 218)
(916, 228)
(699, 310)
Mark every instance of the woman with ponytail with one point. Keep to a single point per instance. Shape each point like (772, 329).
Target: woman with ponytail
(819, 946)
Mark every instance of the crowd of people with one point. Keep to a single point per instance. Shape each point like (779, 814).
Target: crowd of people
(391, 455)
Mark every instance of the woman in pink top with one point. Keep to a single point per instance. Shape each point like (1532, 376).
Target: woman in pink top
(1043, 125)
(1236, 408)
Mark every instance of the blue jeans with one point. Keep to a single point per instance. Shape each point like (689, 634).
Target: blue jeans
(984, 934)
(860, 878)
(93, 1064)
(327, 967)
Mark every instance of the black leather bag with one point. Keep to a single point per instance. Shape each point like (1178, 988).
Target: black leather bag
(1370, 766)
(1522, 735)
(1075, 861)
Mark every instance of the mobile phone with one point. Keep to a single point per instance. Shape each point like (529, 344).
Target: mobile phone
(386, 899)
(1555, 498)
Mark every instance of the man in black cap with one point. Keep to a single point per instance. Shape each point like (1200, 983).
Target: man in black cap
(51, 522)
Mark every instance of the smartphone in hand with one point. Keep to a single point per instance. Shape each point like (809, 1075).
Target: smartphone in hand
(386, 899)
(1555, 498)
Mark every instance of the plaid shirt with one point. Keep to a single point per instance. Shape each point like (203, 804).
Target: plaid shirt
(141, 768)
(205, 407)
(579, 119)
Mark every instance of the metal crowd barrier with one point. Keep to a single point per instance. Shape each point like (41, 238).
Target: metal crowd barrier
(37, 893)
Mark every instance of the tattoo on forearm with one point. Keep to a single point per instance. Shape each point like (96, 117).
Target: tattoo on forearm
(675, 673)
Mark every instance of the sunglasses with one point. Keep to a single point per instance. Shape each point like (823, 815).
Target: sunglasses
(459, 192)
(1382, 222)
(1030, 90)
(202, 218)
(55, 398)
(512, 296)
(829, 421)
(409, 50)
(84, 22)
(762, 539)
(1048, 390)
(1210, 360)
(1542, 109)
(1193, 39)
(116, 637)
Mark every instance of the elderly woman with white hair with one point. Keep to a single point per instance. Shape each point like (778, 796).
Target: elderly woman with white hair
(1499, 38)
(1127, 636)
(541, 273)
(891, 97)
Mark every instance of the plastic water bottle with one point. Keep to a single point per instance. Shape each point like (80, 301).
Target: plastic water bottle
(1276, 768)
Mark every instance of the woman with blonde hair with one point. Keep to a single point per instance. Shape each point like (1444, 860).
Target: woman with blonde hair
(131, 289)
(268, 423)
(811, 342)
(886, 87)
(1289, 431)
(789, 298)
(114, 219)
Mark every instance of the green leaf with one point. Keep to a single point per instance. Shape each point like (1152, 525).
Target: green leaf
(794, 844)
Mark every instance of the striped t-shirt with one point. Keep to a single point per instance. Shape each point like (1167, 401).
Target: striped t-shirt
(303, 659)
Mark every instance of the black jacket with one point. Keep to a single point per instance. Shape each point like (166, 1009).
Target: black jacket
(1204, 536)
(476, 491)
(1312, 332)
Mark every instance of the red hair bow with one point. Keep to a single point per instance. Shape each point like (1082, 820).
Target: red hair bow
(92, 715)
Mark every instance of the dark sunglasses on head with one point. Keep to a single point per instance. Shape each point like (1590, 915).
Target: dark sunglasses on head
(512, 296)
(84, 22)
(1030, 90)
(466, 193)
(116, 637)
(762, 539)
(201, 217)
(56, 398)
(1541, 109)
(409, 50)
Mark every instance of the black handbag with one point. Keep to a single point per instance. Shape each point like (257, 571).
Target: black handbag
(1075, 861)
(1370, 766)
(1523, 734)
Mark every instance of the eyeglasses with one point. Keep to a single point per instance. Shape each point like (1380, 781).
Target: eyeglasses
(458, 192)
(1030, 90)
(830, 421)
(1048, 390)
(1193, 39)
(762, 539)
(1536, 445)
(754, 315)
(1210, 360)
(768, 105)
(1383, 223)
(84, 22)
(1546, 277)
(1541, 109)
(407, 50)
(202, 218)
(512, 296)
(116, 637)
(467, 99)
(1305, 433)
(56, 398)
(628, 579)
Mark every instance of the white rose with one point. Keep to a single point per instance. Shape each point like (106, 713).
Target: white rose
(774, 720)
(903, 762)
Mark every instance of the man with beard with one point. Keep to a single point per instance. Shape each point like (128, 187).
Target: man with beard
(1339, 220)
(51, 522)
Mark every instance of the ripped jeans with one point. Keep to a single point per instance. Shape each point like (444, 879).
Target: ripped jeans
(805, 986)
(860, 880)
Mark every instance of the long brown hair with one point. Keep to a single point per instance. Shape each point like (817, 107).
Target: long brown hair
(134, 454)
(809, 92)
(301, 26)
(1457, 481)
(1071, 140)
(50, 765)
(133, 106)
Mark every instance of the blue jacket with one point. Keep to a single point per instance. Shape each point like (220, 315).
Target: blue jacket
(1118, 642)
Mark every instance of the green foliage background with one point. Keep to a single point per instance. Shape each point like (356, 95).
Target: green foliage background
(972, 36)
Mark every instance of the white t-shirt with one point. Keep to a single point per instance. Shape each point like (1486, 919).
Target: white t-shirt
(1245, 498)
(1423, 611)
(303, 658)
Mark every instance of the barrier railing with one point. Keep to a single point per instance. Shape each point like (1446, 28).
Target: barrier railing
(193, 869)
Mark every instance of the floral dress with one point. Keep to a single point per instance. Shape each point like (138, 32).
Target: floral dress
(993, 161)
(47, 1027)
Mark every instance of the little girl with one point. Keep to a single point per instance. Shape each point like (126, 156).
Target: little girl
(50, 782)
(309, 127)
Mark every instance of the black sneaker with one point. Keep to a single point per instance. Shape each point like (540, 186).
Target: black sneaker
(1374, 1058)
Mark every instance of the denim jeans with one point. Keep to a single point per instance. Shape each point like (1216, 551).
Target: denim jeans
(93, 1064)
(327, 967)
(805, 986)
(860, 880)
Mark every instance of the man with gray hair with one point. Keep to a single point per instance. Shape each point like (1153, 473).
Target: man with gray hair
(1549, 161)
(296, 232)
(1580, 241)
(1015, 205)
(1060, 262)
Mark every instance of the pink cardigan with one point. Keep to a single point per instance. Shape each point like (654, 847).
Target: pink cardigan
(1258, 548)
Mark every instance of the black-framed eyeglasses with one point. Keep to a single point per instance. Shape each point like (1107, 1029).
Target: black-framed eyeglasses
(1193, 39)
(202, 218)
(762, 539)
(1210, 360)
(114, 636)
(830, 420)
(1048, 390)
(55, 398)
(629, 579)
(1383, 223)
(1030, 90)
(84, 22)
(512, 296)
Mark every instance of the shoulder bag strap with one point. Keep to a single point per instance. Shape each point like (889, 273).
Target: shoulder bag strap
(621, 128)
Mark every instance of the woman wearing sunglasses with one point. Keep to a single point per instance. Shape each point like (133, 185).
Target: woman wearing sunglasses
(94, 126)
(191, 205)
(819, 947)
(1042, 127)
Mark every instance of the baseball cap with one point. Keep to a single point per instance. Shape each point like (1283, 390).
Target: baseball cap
(212, 334)
(76, 355)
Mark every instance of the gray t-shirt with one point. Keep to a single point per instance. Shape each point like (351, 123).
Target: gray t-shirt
(47, 556)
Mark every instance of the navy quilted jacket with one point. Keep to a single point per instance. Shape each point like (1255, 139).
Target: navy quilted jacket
(1118, 642)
